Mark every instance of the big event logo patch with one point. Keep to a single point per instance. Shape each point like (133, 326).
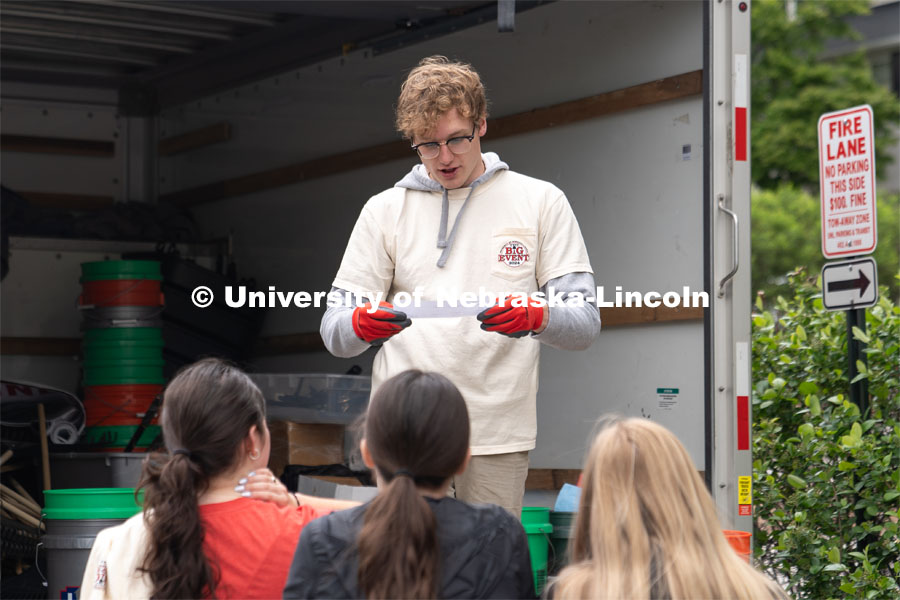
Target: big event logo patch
(513, 254)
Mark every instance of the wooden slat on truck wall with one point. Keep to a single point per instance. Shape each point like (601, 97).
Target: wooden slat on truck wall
(644, 94)
(192, 140)
(550, 479)
(67, 201)
(617, 317)
(32, 346)
(48, 145)
(661, 90)
(294, 343)
(553, 479)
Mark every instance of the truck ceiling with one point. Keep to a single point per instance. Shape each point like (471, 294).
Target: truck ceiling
(160, 54)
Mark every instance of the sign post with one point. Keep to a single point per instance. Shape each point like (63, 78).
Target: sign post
(847, 184)
(852, 285)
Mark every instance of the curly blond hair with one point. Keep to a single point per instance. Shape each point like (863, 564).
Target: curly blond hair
(432, 89)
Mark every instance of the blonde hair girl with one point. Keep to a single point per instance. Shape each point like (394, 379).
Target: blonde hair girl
(647, 526)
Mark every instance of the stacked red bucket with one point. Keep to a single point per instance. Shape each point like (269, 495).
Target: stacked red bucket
(121, 304)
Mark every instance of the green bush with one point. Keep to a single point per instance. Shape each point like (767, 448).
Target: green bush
(826, 478)
(792, 84)
(785, 234)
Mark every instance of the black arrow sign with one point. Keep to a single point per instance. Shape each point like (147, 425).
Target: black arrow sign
(861, 283)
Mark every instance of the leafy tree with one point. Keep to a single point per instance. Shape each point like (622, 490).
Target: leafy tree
(792, 86)
(826, 479)
(785, 235)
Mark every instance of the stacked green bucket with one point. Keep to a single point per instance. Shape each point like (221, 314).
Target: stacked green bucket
(121, 302)
(563, 531)
(123, 355)
(536, 522)
(73, 519)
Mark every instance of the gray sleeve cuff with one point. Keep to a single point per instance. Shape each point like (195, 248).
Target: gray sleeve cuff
(337, 332)
(571, 327)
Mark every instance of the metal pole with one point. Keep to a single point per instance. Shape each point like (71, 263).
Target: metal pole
(859, 391)
(863, 384)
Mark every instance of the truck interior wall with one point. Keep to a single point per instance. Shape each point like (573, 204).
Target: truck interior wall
(39, 296)
(638, 200)
(634, 180)
(67, 119)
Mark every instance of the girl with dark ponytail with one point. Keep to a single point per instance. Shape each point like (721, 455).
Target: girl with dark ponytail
(412, 540)
(201, 535)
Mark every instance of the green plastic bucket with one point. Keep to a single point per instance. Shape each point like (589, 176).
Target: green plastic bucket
(74, 517)
(563, 530)
(123, 371)
(137, 335)
(536, 522)
(105, 270)
(112, 437)
(117, 351)
(90, 503)
(123, 343)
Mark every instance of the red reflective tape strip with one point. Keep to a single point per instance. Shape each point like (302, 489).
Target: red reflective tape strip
(743, 422)
(740, 133)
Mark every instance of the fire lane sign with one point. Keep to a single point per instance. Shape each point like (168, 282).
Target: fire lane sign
(850, 284)
(847, 182)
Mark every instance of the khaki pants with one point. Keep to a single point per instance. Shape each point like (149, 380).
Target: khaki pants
(494, 479)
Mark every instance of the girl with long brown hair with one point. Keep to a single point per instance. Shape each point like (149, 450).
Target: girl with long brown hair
(200, 535)
(647, 526)
(412, 540)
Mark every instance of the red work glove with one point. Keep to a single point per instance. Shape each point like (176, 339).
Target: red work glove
(376, 327)
(513, 321)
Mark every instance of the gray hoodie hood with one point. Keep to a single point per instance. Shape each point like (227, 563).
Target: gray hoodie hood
(418, 179)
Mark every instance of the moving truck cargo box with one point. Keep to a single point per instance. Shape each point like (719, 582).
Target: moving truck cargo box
(637, 110)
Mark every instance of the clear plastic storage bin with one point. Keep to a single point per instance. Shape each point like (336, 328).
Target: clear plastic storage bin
(314, 397)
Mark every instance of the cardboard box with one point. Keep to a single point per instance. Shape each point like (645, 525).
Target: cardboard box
(310, 444)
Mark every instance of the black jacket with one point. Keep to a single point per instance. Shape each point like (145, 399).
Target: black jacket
(484, 554)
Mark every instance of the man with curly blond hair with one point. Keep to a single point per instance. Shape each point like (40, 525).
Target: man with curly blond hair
(461, 226)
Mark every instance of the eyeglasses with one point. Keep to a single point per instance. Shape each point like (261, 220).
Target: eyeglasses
(457, 145)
